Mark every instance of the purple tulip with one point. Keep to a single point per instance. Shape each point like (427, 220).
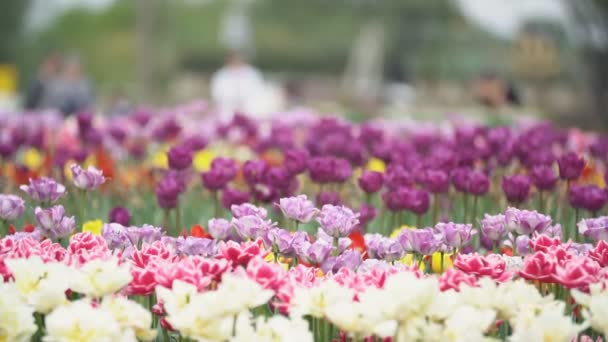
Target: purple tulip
(595, 198)
(337, 221)
(329, 170)
(350, 259)
(168, 190)
(543, 177)
(180, 157)
(116, 236)
(470, 181)
(576, 196)
(120, 215)
(254, 171)
(436, 181)
(195, 246)
(594, 228)
(232, 197)
(396, 177)
(247, 209)
(367, 213)
(53, 223)
(526, 222)
(381, 247)
(279, 177)
(219, 228)
(317, 252)
(11, 207)
(280, 241)
(516, 188)
(44, 190)
(522, 245)
(223, 170)
(417, 201)
(371, 181)
(455, 235)
(479, 184)
(570, 166)
(87, 179)
(295, 161)
(422, 241)
(252, 227)
(494, 227)
(194, 143)
(298, 208)
(144, 234)
(328, 197)
(265, 193)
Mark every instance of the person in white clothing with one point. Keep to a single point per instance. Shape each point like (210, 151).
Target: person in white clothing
(236, 86)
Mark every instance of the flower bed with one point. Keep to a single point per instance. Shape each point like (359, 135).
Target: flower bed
(175, 227)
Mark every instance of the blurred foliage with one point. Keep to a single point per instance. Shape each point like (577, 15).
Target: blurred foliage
(12, 15)
(425, 38)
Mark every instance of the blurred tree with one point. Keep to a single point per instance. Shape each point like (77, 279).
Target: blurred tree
(12, 16)
(591, 19)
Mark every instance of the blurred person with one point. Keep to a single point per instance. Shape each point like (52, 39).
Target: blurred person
(44, 90)
(76, 89)
(236, 86)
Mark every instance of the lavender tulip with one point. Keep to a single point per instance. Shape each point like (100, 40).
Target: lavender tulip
(44, 190)
(337, 221)
(594, 228)
(280, 241)
(525, 222)
(424, 241)
(219, 228)
(195, 246)
(317, 252)
(252, 227)
(247, 209)
(115, 235)
(87, 179)
(53, 223)
(455, 236)
(298, 208)
(144, 234)
(522, 245)
(494, 227)
(11, 207)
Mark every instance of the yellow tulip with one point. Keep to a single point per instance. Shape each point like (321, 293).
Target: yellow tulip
(436, 262)
(33, 159)
(93, 227)
(375, 164)
(202, 160)
(160, 160)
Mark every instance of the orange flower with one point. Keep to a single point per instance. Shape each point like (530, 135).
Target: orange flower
(198, 231)
(358, 242)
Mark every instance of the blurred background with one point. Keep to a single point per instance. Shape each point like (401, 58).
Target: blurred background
(420, 58)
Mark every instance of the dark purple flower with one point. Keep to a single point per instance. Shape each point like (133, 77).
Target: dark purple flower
(278, 177)
(232, 197)
(216, 179)
(570, 166)
(367, 213)
(194, 143)
(328, 197)
(329, 170)
(589, 197)
(180, 157)
(436, 181)
(44, 190)
(396, 176)
(296, 161)
(417, 201)
(516, 188)
(479, 183)
(371, 181)
(254, 171)
(85, 121)
(543, 177)
(120, 215)
(168, 190)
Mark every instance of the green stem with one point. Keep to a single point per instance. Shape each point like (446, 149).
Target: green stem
(178, 223)
(435, 208)
(83, 204)
(465, 199)
(541, 202)
(475, 200)
(441, 261)
(418, 221)
(218, 205)
(234, 326)
(166, 220)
